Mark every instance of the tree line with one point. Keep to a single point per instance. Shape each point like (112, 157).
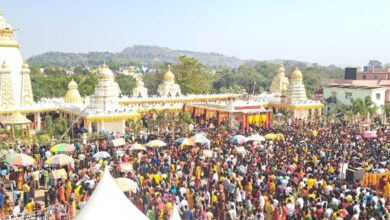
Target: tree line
(192, 76)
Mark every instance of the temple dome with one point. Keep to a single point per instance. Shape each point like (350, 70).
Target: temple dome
(72, 85)
(280, 69)
(296, 74)
(168, 76)
(139, 83)
(105, 72)
(73, 96)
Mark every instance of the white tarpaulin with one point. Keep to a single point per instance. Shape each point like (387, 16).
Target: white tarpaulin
(108, 202)
(118, 142)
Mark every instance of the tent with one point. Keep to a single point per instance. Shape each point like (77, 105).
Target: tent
(109, 202)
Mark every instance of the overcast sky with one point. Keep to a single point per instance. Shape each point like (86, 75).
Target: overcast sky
(341, 32)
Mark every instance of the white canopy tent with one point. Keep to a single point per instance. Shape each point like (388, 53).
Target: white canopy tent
(108, 202)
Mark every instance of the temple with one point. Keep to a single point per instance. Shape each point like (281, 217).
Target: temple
(291, 97)
(107, 109)
(168, 87)
(280, 83)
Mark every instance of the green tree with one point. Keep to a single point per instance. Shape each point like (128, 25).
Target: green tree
(126, 83)
(192, 76)
(375, 64)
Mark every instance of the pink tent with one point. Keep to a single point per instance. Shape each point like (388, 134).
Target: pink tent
(369, 134)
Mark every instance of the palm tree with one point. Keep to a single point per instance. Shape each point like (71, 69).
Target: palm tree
(364, 107)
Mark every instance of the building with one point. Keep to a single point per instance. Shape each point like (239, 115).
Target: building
(280, 83)
(343, 93)
(367, 77)
(107, 110)
(294, 98)
(236, 113)
(15, 88)
(168, 88)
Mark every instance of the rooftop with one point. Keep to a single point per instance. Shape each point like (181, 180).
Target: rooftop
(353, 86)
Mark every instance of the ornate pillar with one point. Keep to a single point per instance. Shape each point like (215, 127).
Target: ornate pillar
(88, 126)
(102, 125)
(123, 127)
(37, 117)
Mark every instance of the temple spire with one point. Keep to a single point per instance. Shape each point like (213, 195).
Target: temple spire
(6, 93)
(7, 33)
(26, 94)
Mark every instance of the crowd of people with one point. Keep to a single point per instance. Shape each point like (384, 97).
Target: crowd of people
(301, 176)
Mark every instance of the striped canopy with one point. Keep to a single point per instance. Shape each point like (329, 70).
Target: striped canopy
(184, 141)
(238, 139)
(62, 148)
(59, 160)
(20, 160)
(156, 144)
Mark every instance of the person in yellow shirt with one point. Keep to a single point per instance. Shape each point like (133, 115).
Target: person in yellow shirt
(310, 182)
(198, 171)
(387, 190)
(157, 178)
(29, 208)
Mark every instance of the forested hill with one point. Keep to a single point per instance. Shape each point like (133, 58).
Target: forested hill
(147, 55)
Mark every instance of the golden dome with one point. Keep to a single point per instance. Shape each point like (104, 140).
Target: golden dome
(280, 69)
(73, 96)
(297, 74)
(105, 72)
(168, 76)
(6, 33)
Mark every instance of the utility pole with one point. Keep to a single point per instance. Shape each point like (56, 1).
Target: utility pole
(254, 88)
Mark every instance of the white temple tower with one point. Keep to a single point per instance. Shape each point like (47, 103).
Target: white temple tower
(296, 90)
(106, 91)
(9, 52)
(140, 91)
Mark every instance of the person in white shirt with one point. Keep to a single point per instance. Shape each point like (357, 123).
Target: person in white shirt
(233, 213)
(16, 211)
(290, 208)
(299, 203)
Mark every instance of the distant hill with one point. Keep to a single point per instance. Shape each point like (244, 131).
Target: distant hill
(147, 55)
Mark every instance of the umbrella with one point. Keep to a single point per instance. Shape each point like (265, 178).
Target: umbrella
(156, 144)
(59, 160)
(20, 160)
(125, 167)
(102, 155)
(270, 136)
(238, 139)
(256, 137)
(61, 148)
(200, 139)
(127, 185)
(137, 147)
(241, 150)
(184, 141)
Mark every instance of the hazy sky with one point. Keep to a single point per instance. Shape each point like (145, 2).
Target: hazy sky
(342, 32)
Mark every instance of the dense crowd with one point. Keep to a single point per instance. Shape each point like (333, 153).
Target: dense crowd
(301, 176)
